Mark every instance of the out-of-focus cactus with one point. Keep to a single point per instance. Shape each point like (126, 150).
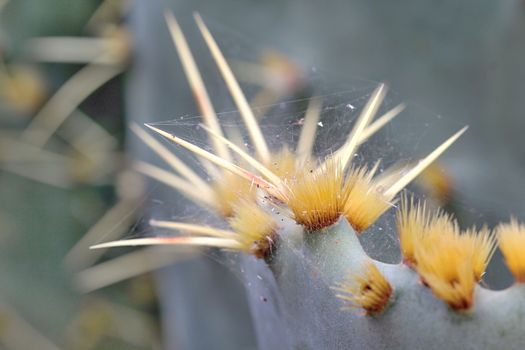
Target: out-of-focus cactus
(54, 142)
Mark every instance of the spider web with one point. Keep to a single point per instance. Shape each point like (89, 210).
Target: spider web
(409, 137)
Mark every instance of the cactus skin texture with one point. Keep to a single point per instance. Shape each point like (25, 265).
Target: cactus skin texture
(307, 265)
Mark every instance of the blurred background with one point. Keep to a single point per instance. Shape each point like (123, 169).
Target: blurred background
(74, 73)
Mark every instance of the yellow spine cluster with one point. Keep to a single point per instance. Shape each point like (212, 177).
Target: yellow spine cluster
(368, 290)
(511, 238)
(449, 261)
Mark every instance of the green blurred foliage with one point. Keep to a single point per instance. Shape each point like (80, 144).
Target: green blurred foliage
(27, 18)
(39, 223)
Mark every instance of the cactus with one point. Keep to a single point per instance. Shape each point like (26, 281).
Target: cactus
(295, 218)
